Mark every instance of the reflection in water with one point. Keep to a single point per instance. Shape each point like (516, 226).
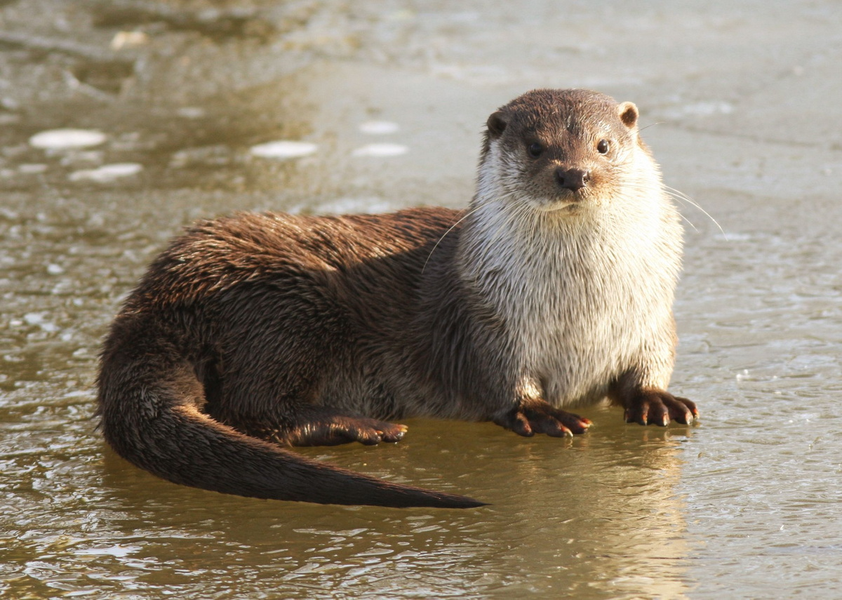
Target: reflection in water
(596, 517)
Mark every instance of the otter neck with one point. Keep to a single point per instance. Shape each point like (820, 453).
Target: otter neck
(504, 237)
(505, 234)
(554, 278)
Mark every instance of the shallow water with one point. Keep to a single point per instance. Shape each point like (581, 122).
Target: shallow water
(393, 95)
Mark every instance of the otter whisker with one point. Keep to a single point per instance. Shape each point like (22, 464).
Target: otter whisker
(467, 214)
(688, 221)
(678, 195)
(638, 130)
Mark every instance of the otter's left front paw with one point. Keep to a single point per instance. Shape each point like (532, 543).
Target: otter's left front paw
(659, 407)
(541, 417)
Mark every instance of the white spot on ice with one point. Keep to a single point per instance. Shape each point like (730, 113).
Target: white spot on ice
(283, 149)
(54, 269)
(33, 318)
(379, 127)
(191, 112)
(60, 139)
(381, 150)
(342, 206)
(31, 169)
(129, 39)
(107, 172)
(701, 109)
(38, 319)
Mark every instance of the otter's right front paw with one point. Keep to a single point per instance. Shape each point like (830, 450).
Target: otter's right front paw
(541, 417)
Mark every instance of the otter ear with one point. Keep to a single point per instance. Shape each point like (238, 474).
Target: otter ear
(628, 114)
(497, 124)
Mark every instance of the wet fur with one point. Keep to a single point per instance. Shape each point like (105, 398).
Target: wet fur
(258, 331)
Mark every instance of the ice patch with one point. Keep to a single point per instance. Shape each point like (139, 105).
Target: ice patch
(61, 139)
(129, 39)
(107, 172)
(283, 149)
(379, 127)
(381, 150)
(191, 112)
(34, 318)
(38, 319)
(700, 109)
(344, 206)
(32, 168)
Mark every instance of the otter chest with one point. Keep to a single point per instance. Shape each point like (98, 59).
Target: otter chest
(578, 323)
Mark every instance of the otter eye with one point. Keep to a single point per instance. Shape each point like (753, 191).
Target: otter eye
(603, 146)
(535, 149)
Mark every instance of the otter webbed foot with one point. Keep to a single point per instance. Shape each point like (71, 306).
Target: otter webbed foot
(659, 407)
(534, 417)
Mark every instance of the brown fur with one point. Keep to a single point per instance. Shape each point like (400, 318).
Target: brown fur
(257, 331)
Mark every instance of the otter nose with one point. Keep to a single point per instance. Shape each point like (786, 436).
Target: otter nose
(572, 179)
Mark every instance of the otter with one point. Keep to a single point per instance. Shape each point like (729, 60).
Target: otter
(553, 289)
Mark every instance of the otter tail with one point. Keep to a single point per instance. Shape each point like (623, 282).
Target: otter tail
(149, 399)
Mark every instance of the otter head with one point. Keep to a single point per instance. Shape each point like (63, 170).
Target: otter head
(554, 149)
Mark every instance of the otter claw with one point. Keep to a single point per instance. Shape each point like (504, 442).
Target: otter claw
(659, 407)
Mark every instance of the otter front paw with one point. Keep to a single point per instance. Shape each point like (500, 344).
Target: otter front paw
(659, 407)
(541, 417)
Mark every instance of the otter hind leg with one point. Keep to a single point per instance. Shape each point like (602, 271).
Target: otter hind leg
(324, 426)
(329, 428)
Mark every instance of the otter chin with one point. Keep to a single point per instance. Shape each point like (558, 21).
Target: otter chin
(568, 202)
(252, 333)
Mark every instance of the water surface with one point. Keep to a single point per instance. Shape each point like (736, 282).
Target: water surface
(392, 96)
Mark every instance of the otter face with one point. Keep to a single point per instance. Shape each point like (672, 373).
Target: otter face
(557, 149)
